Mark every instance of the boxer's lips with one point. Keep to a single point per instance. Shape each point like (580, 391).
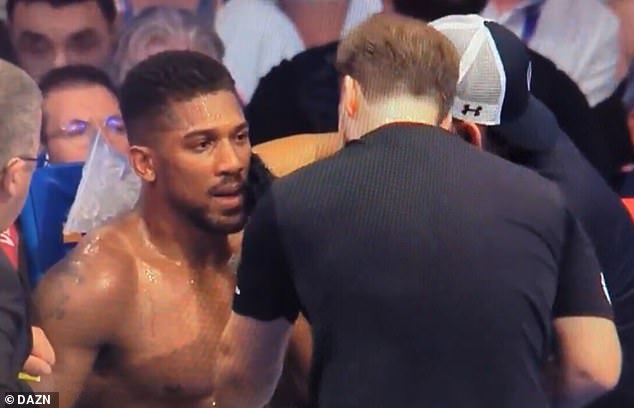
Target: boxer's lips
(229, 196)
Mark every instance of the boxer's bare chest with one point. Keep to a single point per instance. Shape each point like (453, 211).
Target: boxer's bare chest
(165, 349)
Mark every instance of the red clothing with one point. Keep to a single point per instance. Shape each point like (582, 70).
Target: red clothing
(629, 203)
(9, 240)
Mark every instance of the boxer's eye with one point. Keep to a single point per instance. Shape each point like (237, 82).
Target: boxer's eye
(203, 145)
(242, 137)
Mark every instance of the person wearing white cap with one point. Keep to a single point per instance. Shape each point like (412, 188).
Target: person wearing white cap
(431, 273)
(495, 110)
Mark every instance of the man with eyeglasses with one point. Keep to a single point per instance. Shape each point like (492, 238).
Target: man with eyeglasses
(20, 120)
(79, 99)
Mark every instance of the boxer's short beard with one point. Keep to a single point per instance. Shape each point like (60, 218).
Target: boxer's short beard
(214, 225)
(259, 180)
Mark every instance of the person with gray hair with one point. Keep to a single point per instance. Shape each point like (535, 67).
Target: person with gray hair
(20, 122)
(158, 29)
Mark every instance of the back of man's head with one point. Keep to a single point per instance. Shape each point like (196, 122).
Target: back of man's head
(171, 76)
(20, 113)
(20, 121)
(107, 7)
(391, 55)
(429, 10)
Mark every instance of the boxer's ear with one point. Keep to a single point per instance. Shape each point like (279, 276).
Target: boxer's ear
(142, 161)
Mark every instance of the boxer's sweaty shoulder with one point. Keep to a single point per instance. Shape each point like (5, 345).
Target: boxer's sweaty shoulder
(285, 155)
(81, 304)
(164, 323)
(94, 280)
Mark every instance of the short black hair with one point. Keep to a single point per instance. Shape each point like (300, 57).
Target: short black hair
(430, 10)
(75, 75)
(107, 7)
(170, 76)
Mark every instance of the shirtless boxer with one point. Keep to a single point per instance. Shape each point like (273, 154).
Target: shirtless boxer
(135, 311)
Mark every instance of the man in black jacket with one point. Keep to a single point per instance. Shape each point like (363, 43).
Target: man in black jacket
(20, 121)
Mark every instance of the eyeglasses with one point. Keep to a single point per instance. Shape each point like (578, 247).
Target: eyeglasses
(80, 127)
(28, 158)
(22, 157)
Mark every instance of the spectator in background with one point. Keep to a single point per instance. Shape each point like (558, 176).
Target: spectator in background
(259, 34)
(133, 7)
(79, 99)
(624, 9)
(581, 37)
(322, 21)
(20, 119)
(49, 34)
(203, 8)
(158, 29)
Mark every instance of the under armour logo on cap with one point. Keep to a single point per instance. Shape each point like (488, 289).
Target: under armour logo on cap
(476, 111)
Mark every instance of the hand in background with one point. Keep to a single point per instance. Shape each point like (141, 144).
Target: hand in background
(42, 357)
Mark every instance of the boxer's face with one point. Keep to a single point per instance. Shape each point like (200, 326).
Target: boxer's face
(203, 160)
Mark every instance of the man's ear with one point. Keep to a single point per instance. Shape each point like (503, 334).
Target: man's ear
(469, 132)
(447, 122)
(351, 96)
(10, 178)
(143, 162)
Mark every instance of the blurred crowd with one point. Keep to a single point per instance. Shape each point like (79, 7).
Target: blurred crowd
(586, 42)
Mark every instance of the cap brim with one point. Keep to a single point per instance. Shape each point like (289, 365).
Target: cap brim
(535, 130)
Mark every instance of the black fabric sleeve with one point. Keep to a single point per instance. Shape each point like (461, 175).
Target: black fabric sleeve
(580, 290)
(265, 290)
(13, 341)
